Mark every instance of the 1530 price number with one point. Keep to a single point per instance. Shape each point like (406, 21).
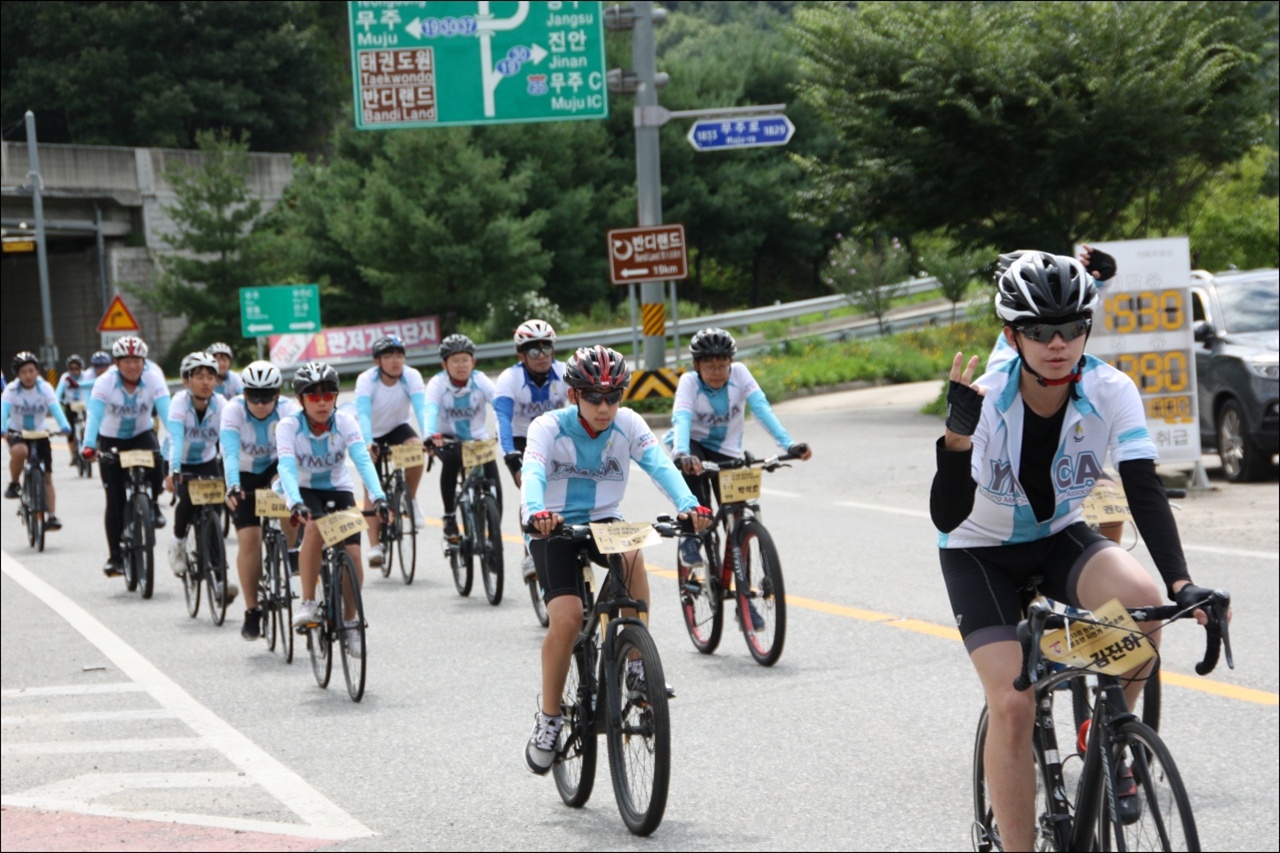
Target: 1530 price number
(1145, 311)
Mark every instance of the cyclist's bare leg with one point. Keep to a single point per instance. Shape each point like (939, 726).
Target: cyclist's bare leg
(1011, 783)
(309, 562)
(17, 458)
(413, 476)
(249, 563)
(374, 522)
(349, 604)
(637, 581)
(565, 617)
(1115, 573)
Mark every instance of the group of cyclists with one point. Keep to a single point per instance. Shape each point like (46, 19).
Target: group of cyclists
(1002, 504)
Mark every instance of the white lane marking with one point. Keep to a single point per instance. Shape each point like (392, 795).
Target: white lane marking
(73, 747)
(322, 817)
(73, 690)
(92, 716)
(779, 492)
(914, 513)
(92, 786)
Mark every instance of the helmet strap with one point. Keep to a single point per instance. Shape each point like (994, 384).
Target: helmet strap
(592, 433)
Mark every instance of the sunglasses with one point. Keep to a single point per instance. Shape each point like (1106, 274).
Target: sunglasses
(260, 397)
(537, 350)
(320, 396)
(1042, 333)
(595, 398)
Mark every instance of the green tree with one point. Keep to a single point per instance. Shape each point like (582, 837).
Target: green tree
(1238, 221)
(871, 272)
(1027, 123)
(955, 267)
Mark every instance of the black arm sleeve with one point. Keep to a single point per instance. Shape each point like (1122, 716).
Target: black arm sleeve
(1151, 513)
(951, 498)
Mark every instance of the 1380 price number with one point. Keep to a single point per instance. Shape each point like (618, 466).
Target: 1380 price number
(1155, 372)
(1145, 311)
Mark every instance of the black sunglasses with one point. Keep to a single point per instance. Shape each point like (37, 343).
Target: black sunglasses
(537, 350)
(595, 398)
(1042, 333)
(261, 396)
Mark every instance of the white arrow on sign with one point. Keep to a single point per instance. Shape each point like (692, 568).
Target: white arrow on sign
(537, 54)
(630, 273)
(308, 326)
(260, 327)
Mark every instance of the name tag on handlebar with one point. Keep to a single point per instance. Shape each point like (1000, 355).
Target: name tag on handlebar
(77, 406)
(205, 492)
(407, 456)
(740, 484)
(479, 452)
(1106, 505)
(620, 537)
(338, 526)
(1115, 646)
(34, 434)
(137, 459)
(267, 504)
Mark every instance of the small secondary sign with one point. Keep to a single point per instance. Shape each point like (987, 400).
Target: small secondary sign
(651, 253)
(731, 134)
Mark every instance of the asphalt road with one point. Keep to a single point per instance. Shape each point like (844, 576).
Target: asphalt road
(128, 725)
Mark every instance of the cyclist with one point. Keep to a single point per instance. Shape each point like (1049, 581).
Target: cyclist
(73, 387)
(313, 447)
(531, 387)
(229, 383)
(576, 465)
(386, 395)
(120, 409)
(248, 439)
(461, 393)
(1023, 446)
(24, 405)
(708, 417)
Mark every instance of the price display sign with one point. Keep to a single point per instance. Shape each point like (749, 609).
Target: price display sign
(1144, 331)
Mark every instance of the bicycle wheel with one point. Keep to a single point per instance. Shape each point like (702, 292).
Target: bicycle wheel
(144, 544)
(762, 601)
(539, 606)
(282, 596)
(489, 540)
(318, 637)
(701, 598)
(407, 543)
(640, 747)
(191, 580)
(1163, 818)
(985, 833)
(389, 534)
(213, 557)
(38, 508)
(459, 561)
(128, 545)
(351, 639)
(268, 594)
(575, 766)
(26, 507)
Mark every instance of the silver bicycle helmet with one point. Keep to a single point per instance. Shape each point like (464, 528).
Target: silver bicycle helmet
(262, 376)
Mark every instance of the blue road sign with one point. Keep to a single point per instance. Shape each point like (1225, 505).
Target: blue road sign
(733, 133)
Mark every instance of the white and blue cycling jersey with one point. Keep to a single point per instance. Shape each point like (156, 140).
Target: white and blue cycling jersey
(382, 408)
(458, 411)
(584, 478)
(250, 440)
(26, 408)
(311, 461)
(229, 386)
(116, 412)
(715, 417)
(518, 400)
(1104, 416)
(74, 389)
(193, 436)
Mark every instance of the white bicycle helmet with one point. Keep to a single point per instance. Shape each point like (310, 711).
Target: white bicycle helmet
(1040, 286)
(192, 360)
(262, 375)
(129, 346)
(534, 331)
(220, 349)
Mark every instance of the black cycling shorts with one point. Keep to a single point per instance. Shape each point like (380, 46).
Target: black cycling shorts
(986, 585)
(556, 560)
(245, 514)
(39, 446)
(315, 499)
(400, 435)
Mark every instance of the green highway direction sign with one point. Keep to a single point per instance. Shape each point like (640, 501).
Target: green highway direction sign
(280, 310)
(429, 64)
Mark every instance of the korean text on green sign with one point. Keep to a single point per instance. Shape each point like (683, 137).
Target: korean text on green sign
(279, 310)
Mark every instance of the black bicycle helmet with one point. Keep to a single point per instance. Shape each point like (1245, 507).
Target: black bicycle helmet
(25, 357)
(315, 374)
(713, 343)
(386, 344)
(455, 344)
(1039, 287)
(597, 368)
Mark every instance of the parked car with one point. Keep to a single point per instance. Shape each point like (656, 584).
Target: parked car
(1237, 317)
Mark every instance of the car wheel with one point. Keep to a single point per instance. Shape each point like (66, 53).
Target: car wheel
(1242, 460)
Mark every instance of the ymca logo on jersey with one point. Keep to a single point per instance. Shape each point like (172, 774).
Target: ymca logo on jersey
(534, 408)
(1074, 474)
(712, 419)
(461, 413)
(27, 407)
(610, 470)
(321, 462)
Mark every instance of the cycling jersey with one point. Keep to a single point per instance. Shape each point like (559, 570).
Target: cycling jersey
(193, 436)
(1105, 415)
(715, 417)
(119, 413)
(382, 408)
(584, 478)
(251, 441)
(74, 389)
(229, 386)
(26, 408)
(458, 411)
(319, 462)
(518, 400)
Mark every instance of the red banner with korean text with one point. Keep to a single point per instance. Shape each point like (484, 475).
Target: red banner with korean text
(352, 342)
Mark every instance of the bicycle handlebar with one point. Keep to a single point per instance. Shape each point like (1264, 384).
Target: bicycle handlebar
(771, 463)
(666, 527)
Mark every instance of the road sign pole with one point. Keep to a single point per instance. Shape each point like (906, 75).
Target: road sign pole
(49, 352)
(648, 163)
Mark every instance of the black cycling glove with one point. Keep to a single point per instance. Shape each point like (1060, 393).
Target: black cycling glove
(515, 461)
(1190, 596)
(1101, 265)
(964, 408)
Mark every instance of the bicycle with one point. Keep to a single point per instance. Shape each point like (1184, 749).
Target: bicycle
(479, 522)
(338, 590)
(399, 538)
(1079, 808)
(747, 571)
(84, 467)
(210, 564)
(539, 606)
(138, 541)
(31, 507)
(275, 595)
(637, 725)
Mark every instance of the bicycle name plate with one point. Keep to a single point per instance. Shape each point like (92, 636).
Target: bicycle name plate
(479, 452)
(267, 504)
(206, 492)
(34, 434)
(1106, 505)
(77, 406)
(740, 484)
(338, 526)
(407, 456)
(623, 536)
(137, 459)
(1115, 646)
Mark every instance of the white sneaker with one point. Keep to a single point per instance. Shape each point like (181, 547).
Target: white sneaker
(178, 557)
(355, 646)
(419, 520)
(375, 554)
(540, 752)
(305, 615)
(527, 567)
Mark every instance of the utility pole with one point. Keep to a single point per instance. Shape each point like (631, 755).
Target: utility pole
(48, 352)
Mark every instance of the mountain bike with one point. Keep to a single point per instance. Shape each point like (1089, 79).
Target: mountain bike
(747, 572)
(1078, 804)
(138, 541)
(399, 538)
(479, 522)
(635, 722)
(275, 595)
(208, 564)
(31, 505)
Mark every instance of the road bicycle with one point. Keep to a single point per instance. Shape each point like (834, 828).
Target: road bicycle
(603, 695)
(535, 597)
(479, 521)
(747, 571)
(207, 563)
(1077, 801)
(32, 508)
(84, 466)
(275, 594)
(399, 538)
(138, 541)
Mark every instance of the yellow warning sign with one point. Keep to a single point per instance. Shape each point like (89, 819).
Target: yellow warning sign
(118, 318)
(654, 383)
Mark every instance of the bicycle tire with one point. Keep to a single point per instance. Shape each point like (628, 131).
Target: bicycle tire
(985, 833)
(470, 541)
(26, 506)
(461, 566)
(144, 545)
(213, 558)
(191, 580)
(489, 531)
(129, 544)
(1165, 821)
(353, 665)
(640, 749)
(407, 542)
(268, 593)
(764, 596)
(389, 534)
(39, 509)
(318, 636)
(702, 598)
(539, 606)
(283, 597)
(575, 765)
